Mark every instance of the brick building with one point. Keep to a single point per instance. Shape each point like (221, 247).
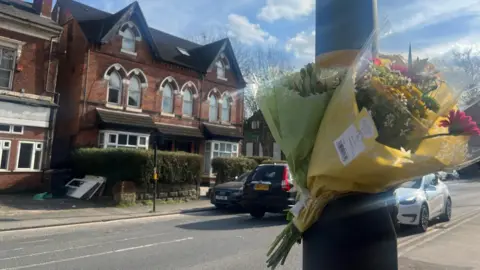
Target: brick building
(28, 67)
(258, 138)
(121, 79)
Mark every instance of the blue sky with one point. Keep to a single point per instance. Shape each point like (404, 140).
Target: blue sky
(432, 26)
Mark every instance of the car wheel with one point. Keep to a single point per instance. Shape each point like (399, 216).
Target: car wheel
(257, 213)
(423, 219)
(447, 212)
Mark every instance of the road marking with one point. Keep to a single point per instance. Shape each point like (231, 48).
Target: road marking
(99, 254)
(435, 230)
(9, 250)
(79, 247)
(35, 241)
(437, 235)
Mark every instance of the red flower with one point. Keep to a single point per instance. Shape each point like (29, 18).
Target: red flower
(377, 61)
(403, 69)
(458, 123)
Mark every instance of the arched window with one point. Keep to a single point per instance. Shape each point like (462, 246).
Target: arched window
(220, 69)
(213, 112)
(134, 92)
(128, 40)
(226, 109)
(167, 99)
(187, 103)
(115, 88)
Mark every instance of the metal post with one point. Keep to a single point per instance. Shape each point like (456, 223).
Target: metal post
(155, 172)
(354, 231)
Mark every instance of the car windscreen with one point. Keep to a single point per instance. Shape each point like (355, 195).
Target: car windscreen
(268, 173)
(416, 184)
(242, 178)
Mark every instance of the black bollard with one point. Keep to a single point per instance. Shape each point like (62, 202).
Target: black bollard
(354, 232)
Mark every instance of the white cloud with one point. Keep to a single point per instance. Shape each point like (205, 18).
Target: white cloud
(429, 12)
(287, 9)
(246, 32)
(302, 45)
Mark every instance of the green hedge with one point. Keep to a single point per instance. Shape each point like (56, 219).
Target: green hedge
(269, 161)
(137, 166)
(259, 160)
(228, 168)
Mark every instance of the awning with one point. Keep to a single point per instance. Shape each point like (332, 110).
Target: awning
(183, 131)
(27, 101)
(218, 131)
(115, 119)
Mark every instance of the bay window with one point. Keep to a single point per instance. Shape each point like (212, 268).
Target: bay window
(215, 149)
(29, 156)
(118, 139)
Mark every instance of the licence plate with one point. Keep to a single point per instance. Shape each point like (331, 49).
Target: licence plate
(221, 198)
(262, 187)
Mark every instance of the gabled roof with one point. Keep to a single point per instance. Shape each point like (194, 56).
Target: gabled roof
(99, 27)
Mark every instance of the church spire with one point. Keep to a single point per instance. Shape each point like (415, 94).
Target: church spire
(410, 63)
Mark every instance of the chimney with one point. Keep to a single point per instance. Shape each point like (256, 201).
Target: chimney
(43, 7)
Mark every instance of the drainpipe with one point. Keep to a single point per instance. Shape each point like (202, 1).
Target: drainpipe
(85, 85)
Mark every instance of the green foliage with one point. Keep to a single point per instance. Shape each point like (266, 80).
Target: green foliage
(259, 160)
(227, 168)
(269, 161)
(431, 103)
(307, 82)
(137, 166)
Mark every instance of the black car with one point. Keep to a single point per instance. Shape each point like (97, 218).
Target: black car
(269, 188)
(228, 194)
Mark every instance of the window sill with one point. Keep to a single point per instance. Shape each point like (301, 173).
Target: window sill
(128, 52)
(167, 114)
(187, 116)
(130, 109)
(114, 106)
(26, 170)
(222, 78)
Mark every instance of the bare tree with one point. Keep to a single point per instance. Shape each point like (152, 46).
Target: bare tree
(468, 61)
(256, 62)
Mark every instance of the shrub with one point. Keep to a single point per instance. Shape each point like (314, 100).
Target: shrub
(137, 166)
(259, 160)
(269, 161)
(227, 168)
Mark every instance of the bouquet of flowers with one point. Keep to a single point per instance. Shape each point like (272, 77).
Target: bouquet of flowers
(365, 128)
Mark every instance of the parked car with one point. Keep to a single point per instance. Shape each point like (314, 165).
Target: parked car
(422, 200)
(269, 188)
(453, 175)
(228, 194)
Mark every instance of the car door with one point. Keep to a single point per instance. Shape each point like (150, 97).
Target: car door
(440, 198)
(432, 195)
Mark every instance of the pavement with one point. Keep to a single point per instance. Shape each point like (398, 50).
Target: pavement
(219, 240)
(22, 212)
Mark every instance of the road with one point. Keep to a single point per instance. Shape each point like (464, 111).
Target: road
(223, 241)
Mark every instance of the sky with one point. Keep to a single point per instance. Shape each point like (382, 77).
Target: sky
(433, 27)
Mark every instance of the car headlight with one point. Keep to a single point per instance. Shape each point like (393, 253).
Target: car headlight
(410, 200)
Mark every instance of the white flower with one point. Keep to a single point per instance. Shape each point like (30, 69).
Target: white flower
(389, 120)
(403, 132)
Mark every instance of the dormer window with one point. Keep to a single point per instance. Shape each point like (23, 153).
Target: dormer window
(183, 51)
(220, 70)
(130, 36)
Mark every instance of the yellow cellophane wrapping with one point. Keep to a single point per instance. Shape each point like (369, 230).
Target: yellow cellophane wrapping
(379, 166)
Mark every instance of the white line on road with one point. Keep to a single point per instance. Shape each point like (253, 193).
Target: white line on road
(80, 247)
(35, 241)
(10, 250)
(426, 240)
(99, 254)
(433, 230)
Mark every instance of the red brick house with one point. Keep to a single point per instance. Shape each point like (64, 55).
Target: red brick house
(121, 79)
(28, 66)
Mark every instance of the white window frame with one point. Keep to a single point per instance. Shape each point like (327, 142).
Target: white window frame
(220, 65)
(11, 129)
(120, 94)
(139, 92)
(36, 147)
(4, 147)
(15, 55)
(211, 156)
(105, 134)
(136, 37)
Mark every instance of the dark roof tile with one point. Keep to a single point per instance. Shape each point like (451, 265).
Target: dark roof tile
(25, 11)
(184, 131)
(125, 119)
(212, 131)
